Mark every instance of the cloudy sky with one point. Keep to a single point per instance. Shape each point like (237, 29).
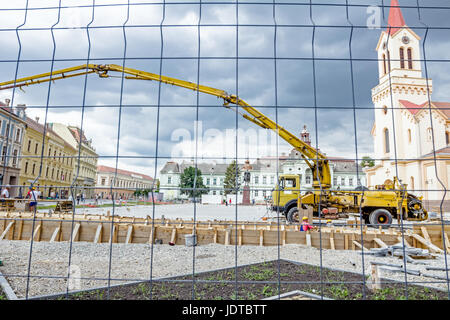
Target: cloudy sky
(202, 43)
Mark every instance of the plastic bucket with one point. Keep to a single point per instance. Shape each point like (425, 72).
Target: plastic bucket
(190, 240)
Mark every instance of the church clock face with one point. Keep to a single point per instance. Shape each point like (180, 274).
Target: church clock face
(405, 40)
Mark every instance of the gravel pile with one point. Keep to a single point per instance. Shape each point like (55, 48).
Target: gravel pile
(132, 263)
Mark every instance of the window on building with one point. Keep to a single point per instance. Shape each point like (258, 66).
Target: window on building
(429, 134)
(350, 182)
(264, 193)
(4, 149)
(214, 193)
(214, 181)
(7, 130)
(26, 167)
(49, 152)
(447, 138)
(387, 148)
(36, 148)
(14, 161)
(409, 135)
(256, 193)
(264, 180)
(34, 167)
(53, 173)
(221, 181)
(57, 175)
(335, 181)
(256, 179)
(402, 58)
(18, 135)
(342, 181)
(384, 64)
(410, 61)
(272, 179)
(208, 181)
(411, 187)
(29, 145)
(308, 176)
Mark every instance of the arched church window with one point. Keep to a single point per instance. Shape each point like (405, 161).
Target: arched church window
(385, 109)
(447, 138)
(402, 58)
(410, 62)
(409, 135)
(386, 141)
(384, 64)
(389, 60)
(429, 134)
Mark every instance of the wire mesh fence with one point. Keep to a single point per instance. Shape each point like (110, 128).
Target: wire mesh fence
(197, 188)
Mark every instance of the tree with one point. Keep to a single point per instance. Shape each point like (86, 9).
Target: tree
(367, 162)
(187, 179)
(232, 179)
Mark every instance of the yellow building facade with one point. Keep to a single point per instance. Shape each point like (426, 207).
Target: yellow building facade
(52, 173)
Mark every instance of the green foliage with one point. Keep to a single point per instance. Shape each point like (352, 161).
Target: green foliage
(367, 162)
(187, 179)
(232, 178)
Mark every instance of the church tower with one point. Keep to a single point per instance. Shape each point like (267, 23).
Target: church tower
(401, 87)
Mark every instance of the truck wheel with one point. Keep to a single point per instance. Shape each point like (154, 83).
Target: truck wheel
(380, 217)
(292, 215)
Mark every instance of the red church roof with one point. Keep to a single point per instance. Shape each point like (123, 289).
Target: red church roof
(396, 20)
(444, 107)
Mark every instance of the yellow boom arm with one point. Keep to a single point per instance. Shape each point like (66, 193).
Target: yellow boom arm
(315, 160)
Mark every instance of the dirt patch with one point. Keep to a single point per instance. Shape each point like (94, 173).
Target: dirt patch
(259, 281)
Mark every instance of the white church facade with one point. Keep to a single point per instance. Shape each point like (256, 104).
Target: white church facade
(408, 141)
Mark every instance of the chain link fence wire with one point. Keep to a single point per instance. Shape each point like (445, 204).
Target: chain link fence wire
(297, 61)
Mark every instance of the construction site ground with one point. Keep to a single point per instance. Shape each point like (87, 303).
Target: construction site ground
(262, 282)
(43, 264)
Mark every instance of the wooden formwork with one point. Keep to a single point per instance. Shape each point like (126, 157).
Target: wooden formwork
(432, 236)
(103, 229)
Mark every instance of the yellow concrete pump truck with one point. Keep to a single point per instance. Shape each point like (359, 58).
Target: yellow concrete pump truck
(376, 207)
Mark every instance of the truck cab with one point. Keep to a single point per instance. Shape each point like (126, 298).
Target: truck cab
(286, 193)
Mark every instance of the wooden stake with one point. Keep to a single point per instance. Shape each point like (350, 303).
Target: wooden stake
(112, 236)
(447, 242)
(55, 234)
(400, 239)
(98, 234)
(7, 229)
(261, 237)
(173, 237)
(215, 235)
(76, 233)
(425, 234)
(308, 238)
(380, 243)
(227, 237)
(151, 236)
(375, 279)
(356, 243)
(353, 242)
(19, 235)
(428, 244)
(129, 238)
(346, 241)
(332, 241)
(37, 233)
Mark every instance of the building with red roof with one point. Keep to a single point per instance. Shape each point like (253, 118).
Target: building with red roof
(120, 183)
(410, 130)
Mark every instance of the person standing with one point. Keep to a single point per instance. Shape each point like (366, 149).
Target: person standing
(34, 196)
